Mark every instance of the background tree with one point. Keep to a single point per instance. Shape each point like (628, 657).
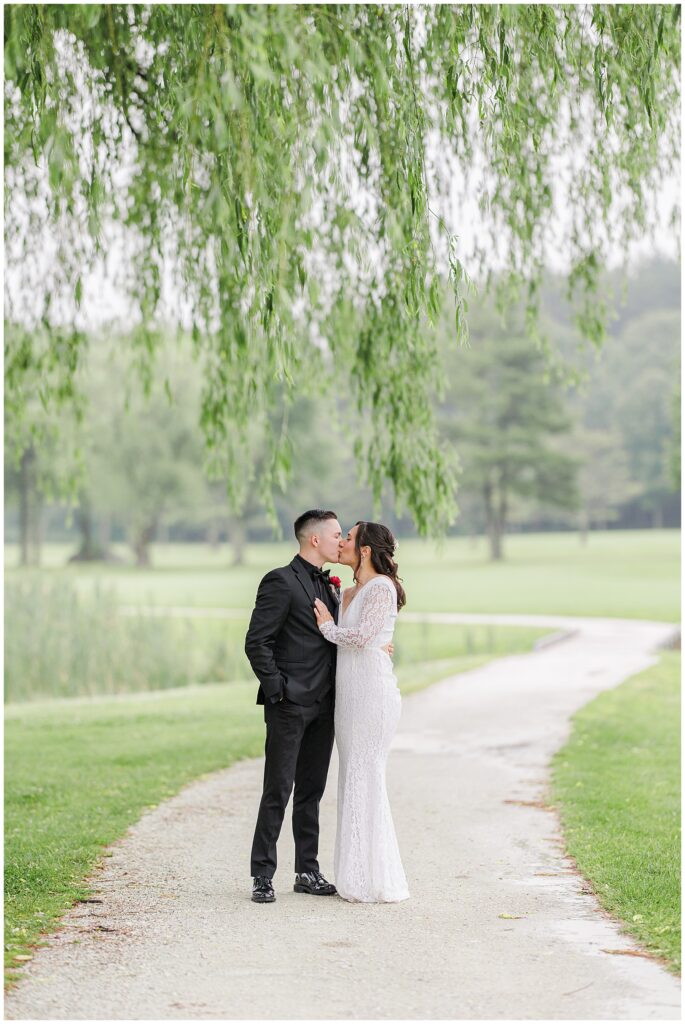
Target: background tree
(676, 414)
(156, 459)
(143, 456)
(98, 491)
(604, 480)
(629, 393)
(282, 177)
(644, 418)
(317, 452)
(20, 487)
(43, 443)
(502, 413)
(621, 398)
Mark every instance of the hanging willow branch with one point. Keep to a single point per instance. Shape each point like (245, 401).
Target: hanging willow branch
(288, 163)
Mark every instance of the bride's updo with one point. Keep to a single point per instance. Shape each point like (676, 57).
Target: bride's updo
(383, 545)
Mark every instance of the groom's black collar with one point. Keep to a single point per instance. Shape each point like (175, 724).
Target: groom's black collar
(311, 569)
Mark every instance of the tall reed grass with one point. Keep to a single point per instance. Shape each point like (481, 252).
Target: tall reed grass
(58, 644)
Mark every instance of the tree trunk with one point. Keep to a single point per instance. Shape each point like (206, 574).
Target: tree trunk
(142, 539)
(24, 505)
(583, 521)
(492, 525)
(84, 521)
(91, 550)
(496, 554)
(500, 522)
(37, 525)
(213, 535)
(238, 533)
(84, 518)
(105, 531)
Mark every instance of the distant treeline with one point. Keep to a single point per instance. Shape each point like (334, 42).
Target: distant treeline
(593, 444)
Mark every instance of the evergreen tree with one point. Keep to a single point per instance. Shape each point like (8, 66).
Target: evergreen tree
(504, 415)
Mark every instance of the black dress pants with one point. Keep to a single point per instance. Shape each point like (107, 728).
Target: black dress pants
(299, 742)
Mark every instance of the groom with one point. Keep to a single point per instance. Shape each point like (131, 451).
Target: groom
(295, 666)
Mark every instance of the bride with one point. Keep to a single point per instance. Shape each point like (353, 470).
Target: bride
(368, 868)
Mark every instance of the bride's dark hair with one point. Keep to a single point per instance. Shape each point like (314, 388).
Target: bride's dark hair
(382, 544)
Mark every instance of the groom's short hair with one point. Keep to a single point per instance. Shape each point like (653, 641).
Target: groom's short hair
(305, 523)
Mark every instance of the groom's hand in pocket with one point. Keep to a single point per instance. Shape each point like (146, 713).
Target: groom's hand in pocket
(276, 698)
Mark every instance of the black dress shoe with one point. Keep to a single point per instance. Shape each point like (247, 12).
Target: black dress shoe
(314, 883)
(262, 890)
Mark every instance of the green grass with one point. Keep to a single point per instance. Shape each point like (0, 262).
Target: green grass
(426, 652)
(78, 772)
(617, 784)
(627, 573)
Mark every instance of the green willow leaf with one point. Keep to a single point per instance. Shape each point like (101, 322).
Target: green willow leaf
(276, 158)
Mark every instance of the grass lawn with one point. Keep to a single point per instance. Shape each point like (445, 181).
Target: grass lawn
(79, 771)
(624, 573)
(617, 784)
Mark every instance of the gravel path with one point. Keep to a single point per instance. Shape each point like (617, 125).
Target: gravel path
(176, 935)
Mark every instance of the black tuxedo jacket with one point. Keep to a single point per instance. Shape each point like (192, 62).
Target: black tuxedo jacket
(287, 651)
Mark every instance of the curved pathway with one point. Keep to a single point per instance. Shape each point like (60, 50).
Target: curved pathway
(499, 925)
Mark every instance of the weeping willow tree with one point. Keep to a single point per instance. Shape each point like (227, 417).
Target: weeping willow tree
(281, 176)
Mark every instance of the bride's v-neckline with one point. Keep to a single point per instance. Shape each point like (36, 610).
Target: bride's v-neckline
(346, 608)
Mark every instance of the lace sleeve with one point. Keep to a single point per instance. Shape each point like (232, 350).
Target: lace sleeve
(377, 605)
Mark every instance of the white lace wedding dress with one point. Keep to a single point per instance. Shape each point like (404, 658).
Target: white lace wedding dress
(367, 863)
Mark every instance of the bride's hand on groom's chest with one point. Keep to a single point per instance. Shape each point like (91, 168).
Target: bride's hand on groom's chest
(321, 612)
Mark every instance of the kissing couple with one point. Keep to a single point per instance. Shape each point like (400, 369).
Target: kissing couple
(322, 659)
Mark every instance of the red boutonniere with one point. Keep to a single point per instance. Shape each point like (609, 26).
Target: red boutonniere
(335, 584)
